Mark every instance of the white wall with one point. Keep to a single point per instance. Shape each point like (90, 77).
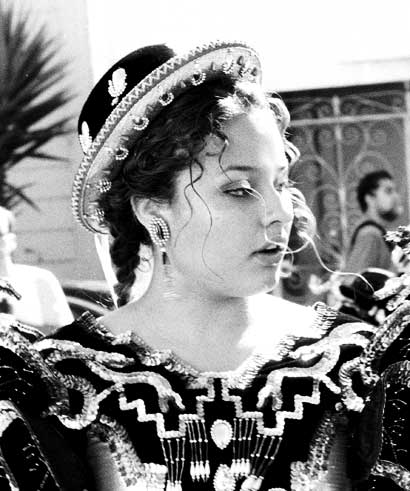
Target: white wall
(303, 43)
(49, 237)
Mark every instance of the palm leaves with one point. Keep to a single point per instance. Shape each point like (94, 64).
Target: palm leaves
(31, 93)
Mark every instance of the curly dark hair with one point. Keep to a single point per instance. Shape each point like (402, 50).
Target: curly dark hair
(170, 144)
(368, 184)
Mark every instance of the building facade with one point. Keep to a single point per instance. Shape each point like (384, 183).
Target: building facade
(345, 84)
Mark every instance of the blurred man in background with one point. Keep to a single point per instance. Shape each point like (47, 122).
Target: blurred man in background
(370, 255)
(381, 205)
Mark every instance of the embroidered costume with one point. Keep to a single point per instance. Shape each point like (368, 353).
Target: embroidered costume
(272, 424)
(384, 426)
(34, 453)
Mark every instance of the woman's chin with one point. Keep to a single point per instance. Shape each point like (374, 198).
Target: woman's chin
(265, 286)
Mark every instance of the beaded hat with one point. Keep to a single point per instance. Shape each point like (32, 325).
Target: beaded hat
(128, 96)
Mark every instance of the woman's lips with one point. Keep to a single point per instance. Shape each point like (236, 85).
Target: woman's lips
(269, 257)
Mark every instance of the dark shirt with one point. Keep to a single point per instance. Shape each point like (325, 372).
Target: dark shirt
(369, 249)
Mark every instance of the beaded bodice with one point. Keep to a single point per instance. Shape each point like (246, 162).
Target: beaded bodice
(269, 425)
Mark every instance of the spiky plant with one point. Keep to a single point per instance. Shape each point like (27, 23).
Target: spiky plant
(32, 89)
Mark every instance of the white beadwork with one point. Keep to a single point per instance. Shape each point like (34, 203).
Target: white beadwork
(252, 483)
(224, 480)
(199, 468)
(396, 472)
(85, 138)
(96, 214)
(166, 98)
(159, 231)
(221, 433)
(228, 66)
(121, 153)
(140, 123)
(103, 185)
(117, 84)
(199, 76)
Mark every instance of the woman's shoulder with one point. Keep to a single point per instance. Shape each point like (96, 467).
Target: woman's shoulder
(84, 335)
(271, 305)
(299, 320)
(25, 377)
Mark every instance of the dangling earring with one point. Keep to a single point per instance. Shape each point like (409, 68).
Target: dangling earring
(159, 233)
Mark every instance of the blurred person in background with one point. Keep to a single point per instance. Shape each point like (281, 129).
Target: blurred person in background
(380, 203)
(370, 255)
(42, 304)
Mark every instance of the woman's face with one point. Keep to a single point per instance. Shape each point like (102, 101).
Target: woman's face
(229, 230)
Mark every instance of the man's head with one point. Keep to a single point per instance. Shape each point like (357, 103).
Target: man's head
(377, 195)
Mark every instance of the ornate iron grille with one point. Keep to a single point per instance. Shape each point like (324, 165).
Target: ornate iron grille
(343, 135)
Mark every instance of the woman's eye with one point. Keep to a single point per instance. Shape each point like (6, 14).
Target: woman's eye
(242, 188)
(238, 191)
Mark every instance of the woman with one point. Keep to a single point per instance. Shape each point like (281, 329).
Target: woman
(205, 382)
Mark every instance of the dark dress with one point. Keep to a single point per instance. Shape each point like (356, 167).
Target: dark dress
(36, 452)
(368, 248)
(281, 421)
(382, 436)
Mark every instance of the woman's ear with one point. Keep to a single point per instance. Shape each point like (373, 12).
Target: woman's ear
(145, 209)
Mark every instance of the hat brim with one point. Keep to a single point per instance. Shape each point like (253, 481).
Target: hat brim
(129, 118)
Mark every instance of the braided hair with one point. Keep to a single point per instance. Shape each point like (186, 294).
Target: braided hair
(169, 145)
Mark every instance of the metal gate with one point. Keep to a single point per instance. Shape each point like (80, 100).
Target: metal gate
(343, 134)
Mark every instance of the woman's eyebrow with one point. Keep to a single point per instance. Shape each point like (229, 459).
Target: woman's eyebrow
(252, 168)
(242, 168)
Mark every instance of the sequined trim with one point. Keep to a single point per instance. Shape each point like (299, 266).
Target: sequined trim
(399, 373)
(31, 451)
(254, 443)
(396, 380)
(305, 476)
(397, 473)
(385, 335)
(8, 414)
(12, 340)
(329, 350)
(239, 378)
(325, 317)
(281, 416)
(150, 357)
(7, 475)
(56, 351)
(129, 465)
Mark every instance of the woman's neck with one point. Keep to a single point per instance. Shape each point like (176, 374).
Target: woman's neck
(198, 316)
(205, 333)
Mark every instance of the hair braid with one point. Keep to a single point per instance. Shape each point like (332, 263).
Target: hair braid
(127, 236)
(125, 257)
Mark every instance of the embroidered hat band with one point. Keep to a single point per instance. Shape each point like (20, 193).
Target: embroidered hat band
(128, 96)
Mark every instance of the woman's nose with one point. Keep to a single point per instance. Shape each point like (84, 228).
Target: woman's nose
(279, 207)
